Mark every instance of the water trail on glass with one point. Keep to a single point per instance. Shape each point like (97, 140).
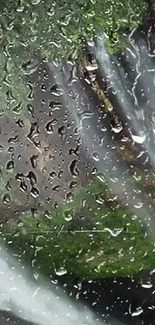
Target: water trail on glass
(40, 301)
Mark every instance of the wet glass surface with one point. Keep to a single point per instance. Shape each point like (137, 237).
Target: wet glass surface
(77, 162)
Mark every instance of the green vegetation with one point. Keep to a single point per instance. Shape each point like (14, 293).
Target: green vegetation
(54, 29)
(91, 237)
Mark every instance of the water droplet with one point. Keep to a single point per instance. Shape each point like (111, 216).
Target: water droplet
(34, 192)
(69, 197)
(60, 272)
(138, 139)
(73, 168)
(61, 131)
(23, 186)
(56, 90)
(117, 129)
(72, 184)
(13, 139)
(138, 205)
(56, 188)
(33, 160)
(96, 156)
(92, 67)
(49, 126)
(10, 165)
(147, 285)
(35, 2)
(137, 312)
(6, 198)
(52, 174)
(30, 109)
(32, 177)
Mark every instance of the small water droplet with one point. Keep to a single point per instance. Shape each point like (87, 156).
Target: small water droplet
(32, 178)
(69, 197)
(96, 156)
(50, 126)
(23, 186)
(73, 168)
(33, 160)
(10, 165)
(138, 205)
(56, 90)
(60, 272)
(34, 192)
(6, 198)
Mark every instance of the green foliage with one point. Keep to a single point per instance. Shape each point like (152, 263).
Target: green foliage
(55, 29)
(92, 237)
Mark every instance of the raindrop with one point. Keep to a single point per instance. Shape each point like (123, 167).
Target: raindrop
(137, 312)
(49, 126)
(96, 156)
(6, 198)
(1, 148)
(52, 174)
(147, 285)
(61, 131)
(56, 188)
(60, 272)
(117, 129)
(34, 192)
(23, 186)
(73, 168)
(30, 109)
(60, 174)
(14, 139)
(92, 67)
(35, 2)
(11, 149)
(32, 177)
(138, 205)
(72, 184)
(20, 123)
(56, 90)
(138, 139)
(10, 165)
(69, 197)
(33, 160)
